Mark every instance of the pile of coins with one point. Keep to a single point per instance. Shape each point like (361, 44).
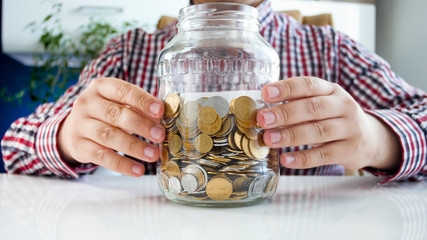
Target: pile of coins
(214, 151)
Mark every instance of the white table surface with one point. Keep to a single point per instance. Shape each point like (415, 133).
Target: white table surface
(116, 207)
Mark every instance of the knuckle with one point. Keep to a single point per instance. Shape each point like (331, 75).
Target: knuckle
(313, 106)
(142, 100)
(284, 113)
(122, 91)
(319, 130)
(120, 165)
(303, 159)
(106, 133)
(113, 113)
(287, 88)
(290, 136)
(80, 101)
(95, 82)
(135, 147)
(101, 155)
(324, 155)
(310, 83)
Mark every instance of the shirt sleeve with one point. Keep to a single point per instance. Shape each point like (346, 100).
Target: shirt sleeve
(30, 144)
(382, 93)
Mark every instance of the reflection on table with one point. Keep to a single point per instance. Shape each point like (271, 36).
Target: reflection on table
(112, 207)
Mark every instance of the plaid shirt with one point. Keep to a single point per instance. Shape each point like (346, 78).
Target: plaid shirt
(29, 146)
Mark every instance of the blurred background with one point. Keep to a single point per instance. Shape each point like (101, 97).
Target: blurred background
(395, 29)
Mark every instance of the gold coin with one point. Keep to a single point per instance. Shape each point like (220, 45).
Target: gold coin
(258, 148)
(164, 157)
(203, 143)
(251, 133)
(219, 188)
(225, 127)
(245, 147)
(238, 139)
(172, 169)
(208, 115)
(245, 109)
(241, 184)
(172, 104)
(211, 129)
(175, 144)
(231, 111)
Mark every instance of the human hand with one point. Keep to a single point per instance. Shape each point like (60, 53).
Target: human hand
(103, 119)
(322, 114)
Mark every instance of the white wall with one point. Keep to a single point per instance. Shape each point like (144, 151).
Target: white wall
(354, 19)
(402, 36)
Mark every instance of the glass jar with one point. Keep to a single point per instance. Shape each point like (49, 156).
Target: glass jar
(210, 79)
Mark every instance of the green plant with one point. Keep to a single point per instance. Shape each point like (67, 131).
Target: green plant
(63, 57)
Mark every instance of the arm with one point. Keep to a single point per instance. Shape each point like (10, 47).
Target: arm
(401, 108)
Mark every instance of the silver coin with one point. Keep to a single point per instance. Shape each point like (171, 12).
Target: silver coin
(189, 183)
(256, 189)
(220, 105)
(175, 185)
(164, 180)
(201, 101)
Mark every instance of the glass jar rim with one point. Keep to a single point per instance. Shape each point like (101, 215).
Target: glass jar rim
(218, 11)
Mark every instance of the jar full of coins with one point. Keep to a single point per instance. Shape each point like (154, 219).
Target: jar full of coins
(210, 79)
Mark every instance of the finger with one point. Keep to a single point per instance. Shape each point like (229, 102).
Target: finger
(296, 88)
(119, 140)
(125, 118)
(310, 133)
(326, 154)
(302, 110)
(90, 151)
(129, 94)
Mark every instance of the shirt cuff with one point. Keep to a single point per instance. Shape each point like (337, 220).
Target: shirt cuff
(47, 150)
(412, 141)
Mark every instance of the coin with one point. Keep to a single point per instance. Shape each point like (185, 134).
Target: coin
(258, 148)
(164, 180)
(257, 187)
(251, 133)
(245, 108)
(194, 178)
(175, 185)
(190, 112)
(219, 104)
(219, 188)
(164, 157)
(226, 127)
(172, 169)
(203, 143)
(172, 104)
(245, 147)
(175, 144)
(207, 115)
(211, 129)
(238, 139)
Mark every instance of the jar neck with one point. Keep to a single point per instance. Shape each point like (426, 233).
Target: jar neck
(218, 16)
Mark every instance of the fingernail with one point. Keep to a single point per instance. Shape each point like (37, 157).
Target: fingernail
(289, 159)
(137, 169)
(156, 133)
(149, 152)
(273, 92)
(155, 108)
(269, 117)
(275, 137)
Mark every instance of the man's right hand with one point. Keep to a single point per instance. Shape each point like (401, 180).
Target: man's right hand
(102, 121)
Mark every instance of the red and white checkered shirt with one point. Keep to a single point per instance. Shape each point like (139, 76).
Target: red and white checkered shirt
(29, 146)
